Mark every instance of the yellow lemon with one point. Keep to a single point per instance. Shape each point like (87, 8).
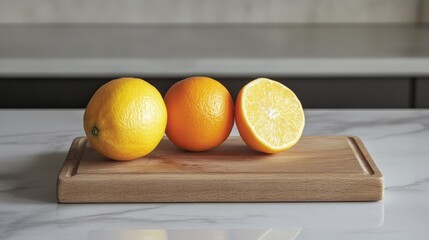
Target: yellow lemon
(125, 119)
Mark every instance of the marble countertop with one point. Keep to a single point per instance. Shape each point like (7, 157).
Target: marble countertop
(34, 143)
(169, 50)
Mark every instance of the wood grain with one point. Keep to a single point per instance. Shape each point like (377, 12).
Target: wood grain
(318, 168)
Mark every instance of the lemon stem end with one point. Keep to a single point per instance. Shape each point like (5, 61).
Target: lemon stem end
(95, 131)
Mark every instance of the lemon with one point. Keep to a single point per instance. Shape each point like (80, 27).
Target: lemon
(125, 119)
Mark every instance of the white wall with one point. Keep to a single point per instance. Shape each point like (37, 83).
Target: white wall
(424, 14)
(213, 11)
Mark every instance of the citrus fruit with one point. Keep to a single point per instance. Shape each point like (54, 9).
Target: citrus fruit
(125, 119)
(200, 113)
(269, 116)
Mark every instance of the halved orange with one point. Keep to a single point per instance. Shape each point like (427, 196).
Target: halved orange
(269, 116)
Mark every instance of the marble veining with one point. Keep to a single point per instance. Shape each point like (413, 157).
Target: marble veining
(33, 145)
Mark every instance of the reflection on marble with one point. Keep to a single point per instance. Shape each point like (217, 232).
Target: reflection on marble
(219, 234)
(33, 145)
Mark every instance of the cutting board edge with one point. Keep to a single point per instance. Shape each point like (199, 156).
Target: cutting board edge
(221, 190)
(367, 156)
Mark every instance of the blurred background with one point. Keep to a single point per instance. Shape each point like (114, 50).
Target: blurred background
(332, 53)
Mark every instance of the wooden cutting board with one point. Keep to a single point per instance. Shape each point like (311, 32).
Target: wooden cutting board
(318, 168)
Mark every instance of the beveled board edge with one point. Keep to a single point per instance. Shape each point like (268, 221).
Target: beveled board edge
(71, 162)
(376, 172)
(232, 188)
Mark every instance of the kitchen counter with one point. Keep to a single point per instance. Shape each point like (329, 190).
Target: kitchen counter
(34, 143)
(228, 50)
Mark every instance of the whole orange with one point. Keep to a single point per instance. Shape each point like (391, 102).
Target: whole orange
(125, 119)
(200, 113)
